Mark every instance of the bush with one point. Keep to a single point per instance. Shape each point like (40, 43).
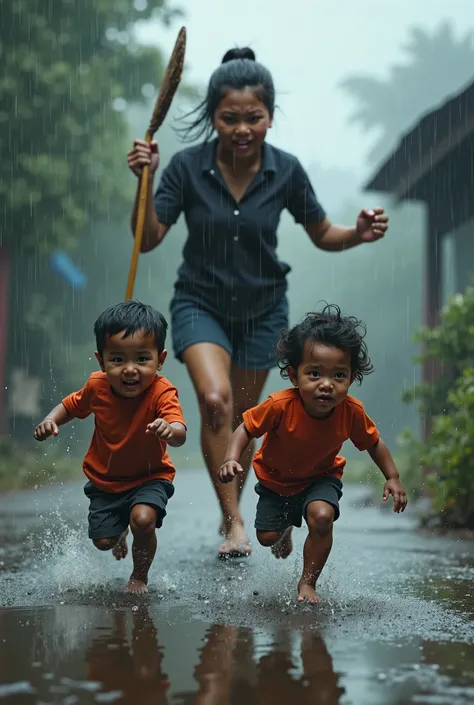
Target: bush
(448, 452)
(448, 347)
(408, 462)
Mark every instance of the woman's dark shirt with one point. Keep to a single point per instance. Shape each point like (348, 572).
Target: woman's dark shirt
(230, 263)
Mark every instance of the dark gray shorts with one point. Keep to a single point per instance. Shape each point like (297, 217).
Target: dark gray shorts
(250, 343)
(109, 512)
(277, 512)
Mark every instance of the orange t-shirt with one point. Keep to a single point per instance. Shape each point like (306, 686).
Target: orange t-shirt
(297, 447)
(121, 455)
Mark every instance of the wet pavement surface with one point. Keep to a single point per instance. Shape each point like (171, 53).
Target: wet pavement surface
(396, 625)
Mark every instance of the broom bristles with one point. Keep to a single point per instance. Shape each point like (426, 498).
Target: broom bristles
(170, 82)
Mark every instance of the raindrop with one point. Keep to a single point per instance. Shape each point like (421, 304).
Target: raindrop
(123, 38)
(111, 34)
(148, 90)
(119, 105)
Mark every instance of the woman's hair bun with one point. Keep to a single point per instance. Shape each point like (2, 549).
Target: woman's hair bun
(239, 53)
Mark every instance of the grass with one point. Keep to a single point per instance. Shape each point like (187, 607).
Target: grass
(25, 466)
(22, 467)
(365, 472)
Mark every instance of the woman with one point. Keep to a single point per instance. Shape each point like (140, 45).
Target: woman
(230, 300)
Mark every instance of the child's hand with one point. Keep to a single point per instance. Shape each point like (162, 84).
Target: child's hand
(161, 429)
(46, 429)
(396, 489)
(229, 470)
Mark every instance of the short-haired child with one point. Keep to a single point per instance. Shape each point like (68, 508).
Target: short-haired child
(137, 414)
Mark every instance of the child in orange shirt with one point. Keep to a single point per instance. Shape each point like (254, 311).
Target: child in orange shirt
(298, 467)
(137, 414)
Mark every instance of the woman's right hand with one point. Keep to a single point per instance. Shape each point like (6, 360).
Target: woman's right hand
(141, 154)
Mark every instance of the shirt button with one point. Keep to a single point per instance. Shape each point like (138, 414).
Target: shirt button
(236, 212)
(236, 238)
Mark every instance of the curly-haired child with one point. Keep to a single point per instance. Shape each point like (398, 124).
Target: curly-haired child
(298, 466)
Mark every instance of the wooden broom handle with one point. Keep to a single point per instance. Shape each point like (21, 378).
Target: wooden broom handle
(141, 211)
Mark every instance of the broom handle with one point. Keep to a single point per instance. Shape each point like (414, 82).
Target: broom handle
(141, 211)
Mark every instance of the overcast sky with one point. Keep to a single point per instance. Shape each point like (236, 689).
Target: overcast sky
(310, 46)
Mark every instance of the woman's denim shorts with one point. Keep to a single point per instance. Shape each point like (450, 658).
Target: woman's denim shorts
(250, 343)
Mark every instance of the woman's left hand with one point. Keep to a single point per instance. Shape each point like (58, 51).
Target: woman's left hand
(371, 225)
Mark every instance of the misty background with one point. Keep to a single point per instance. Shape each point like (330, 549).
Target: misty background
(351, 79)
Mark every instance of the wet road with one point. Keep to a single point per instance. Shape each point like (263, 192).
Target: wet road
(396, 627)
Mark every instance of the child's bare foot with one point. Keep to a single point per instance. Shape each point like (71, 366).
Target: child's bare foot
(307, 593)
(284, 547)
(136, 586)
(120, 549)
(236, 543)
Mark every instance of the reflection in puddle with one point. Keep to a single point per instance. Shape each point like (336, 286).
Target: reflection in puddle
(239, 665)
(131, 655)
(128, 665)
(396, 628)
(118, 656)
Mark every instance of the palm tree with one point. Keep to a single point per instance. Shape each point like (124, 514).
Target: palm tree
(439, 65)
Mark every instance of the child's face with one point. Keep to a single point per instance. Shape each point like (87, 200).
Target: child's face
(131, 363)
(323, 378)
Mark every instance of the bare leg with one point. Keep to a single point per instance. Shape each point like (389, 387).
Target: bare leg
(209, 368)
(246, 462)
(247, 387)
(280, 541)
(116, 544)
(284, 547)
(317, 547)
(143, 526)
(120, 550)
(107, 544)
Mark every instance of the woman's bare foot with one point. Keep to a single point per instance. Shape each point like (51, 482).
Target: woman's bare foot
(236, 543)
(284, 547)
(120, 549)
(136, 586)
(307, 593)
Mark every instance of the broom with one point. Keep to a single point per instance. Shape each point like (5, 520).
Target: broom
(168, 88)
